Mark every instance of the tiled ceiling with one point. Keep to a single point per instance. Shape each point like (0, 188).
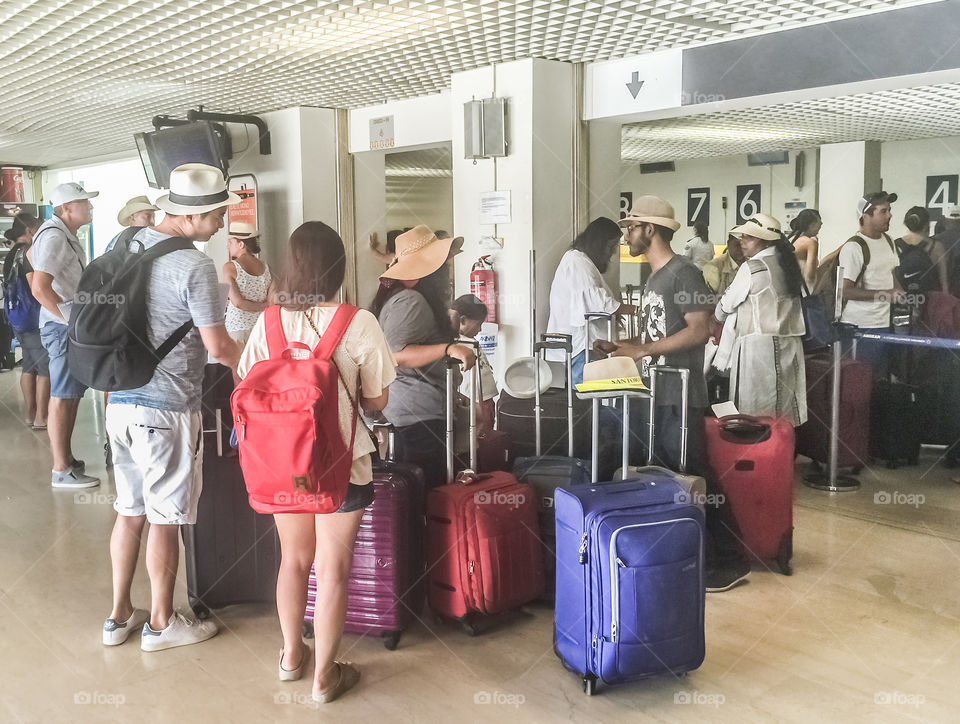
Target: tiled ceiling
(79, 77)
(898, 115)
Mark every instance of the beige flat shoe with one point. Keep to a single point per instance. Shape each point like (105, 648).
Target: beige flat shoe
(293, 674)
(349, 676)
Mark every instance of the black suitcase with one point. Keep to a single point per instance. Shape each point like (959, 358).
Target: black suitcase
(515, 416)
(548, 471)
(232, 553)
(938, 383)
(895, 423)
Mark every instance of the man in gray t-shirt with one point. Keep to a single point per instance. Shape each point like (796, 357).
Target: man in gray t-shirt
(155, 430)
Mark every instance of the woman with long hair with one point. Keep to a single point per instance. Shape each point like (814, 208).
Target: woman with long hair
(315, 271)
(767, 371)
(411, 306)
(579, 288)
(806, 244)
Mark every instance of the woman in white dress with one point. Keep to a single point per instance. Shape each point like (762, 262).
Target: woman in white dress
(249, 279)
(767, 372)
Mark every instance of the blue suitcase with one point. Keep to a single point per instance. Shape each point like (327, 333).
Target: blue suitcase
(630, 588)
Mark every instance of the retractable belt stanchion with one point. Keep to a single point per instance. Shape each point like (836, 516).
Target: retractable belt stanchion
(832, 481)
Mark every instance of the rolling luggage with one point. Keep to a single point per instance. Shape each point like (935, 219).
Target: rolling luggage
(938, 382)
(515, 417)
(231, 554)
(895, 423)
(695, 485)
(546, 473)
(386, 589)
(483, 553)
(630, 585)
(752, 459)
(856, 383)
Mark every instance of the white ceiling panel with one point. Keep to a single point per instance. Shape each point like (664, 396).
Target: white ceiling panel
(79, 77)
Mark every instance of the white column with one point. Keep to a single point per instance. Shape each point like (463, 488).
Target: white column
(847, 171)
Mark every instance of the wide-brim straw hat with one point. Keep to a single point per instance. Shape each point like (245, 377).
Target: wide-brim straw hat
(651, 210)
(196, 188)
(243, 230)
(759, 226)
(137, 203)
(419, 254)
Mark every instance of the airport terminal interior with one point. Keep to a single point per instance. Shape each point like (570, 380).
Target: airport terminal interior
(510, 125)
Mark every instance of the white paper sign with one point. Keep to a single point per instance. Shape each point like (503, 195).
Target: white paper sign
(495, 207)
(381, 133)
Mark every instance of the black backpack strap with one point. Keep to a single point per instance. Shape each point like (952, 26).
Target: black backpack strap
(126, 236)
(167, 246)
(174, 339)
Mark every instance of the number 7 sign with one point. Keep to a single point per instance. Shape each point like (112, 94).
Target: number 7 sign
(698, 206)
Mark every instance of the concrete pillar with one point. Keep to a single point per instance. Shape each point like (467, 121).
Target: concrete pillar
(847, 171)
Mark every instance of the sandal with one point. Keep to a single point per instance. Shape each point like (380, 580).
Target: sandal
(292, 674)
(349, 676)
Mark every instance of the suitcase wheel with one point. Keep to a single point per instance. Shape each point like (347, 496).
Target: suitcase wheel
(390, 640)
(589, 684)
(785, 553)
(470, 627)
(307, 632)
(200, 610)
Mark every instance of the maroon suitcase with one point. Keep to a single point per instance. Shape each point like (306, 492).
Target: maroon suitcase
(387, 584)
(856, 384)
(752, 461)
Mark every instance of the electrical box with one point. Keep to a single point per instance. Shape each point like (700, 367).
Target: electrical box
(485, 128)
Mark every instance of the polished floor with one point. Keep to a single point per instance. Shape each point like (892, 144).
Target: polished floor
(866, 630)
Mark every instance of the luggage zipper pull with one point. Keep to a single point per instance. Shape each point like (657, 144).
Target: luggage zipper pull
(583, 549)
(594, 641)
(613, 632)
(621, 563)
(472, 564)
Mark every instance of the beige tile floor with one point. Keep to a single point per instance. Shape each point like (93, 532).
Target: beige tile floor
(866, 630)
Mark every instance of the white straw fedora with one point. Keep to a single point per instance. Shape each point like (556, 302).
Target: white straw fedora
(759, 226)
(243, 230)
(196, 188)
(137, 203)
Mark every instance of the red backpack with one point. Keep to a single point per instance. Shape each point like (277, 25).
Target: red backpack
(286, 414)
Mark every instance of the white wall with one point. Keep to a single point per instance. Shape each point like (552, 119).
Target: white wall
(370, 215)
(721, 175)
(425, 120)
(904, 168)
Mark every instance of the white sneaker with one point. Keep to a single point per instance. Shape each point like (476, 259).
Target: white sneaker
(180, 631)
(72, 479)
(115, 633)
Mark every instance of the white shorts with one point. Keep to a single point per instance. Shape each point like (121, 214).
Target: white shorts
(157, 462)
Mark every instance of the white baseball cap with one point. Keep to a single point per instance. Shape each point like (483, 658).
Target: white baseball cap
(65, 193)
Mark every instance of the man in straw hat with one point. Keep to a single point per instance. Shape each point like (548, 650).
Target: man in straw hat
(155, 430)
(674, 327)
(138, 211)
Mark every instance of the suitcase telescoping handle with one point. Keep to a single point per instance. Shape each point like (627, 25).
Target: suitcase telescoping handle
(391, 439)
(553, 341)
(588, 343)
(452, 364)
(655, 372)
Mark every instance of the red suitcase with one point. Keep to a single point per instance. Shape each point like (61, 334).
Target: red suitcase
(483, 553)
(752, 461)
(386, 589)
(856, 384)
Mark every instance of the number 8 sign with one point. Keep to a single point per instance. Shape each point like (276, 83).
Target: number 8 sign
(748, 202)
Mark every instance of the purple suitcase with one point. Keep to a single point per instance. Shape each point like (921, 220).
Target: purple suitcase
(386, 590)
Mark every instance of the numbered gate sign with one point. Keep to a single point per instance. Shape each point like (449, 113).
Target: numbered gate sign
(698, 206)
(748, 202)
(626, 203)
(941, 193)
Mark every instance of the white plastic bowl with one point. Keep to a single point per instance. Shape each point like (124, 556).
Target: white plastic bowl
(518, 380)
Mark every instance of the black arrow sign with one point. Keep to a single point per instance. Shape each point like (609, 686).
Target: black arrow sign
(635, 84)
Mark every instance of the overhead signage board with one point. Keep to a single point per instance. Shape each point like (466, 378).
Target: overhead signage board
(633, 85)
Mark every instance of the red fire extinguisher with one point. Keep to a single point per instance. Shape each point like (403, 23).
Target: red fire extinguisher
(483, 285)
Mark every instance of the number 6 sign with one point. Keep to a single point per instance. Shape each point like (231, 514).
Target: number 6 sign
(748, 202)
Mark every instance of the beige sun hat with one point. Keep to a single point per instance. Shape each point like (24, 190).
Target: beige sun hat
(243, 230)
(759, 226)
(653, 210)
(419, 254)
(196, 188)
(137, 203)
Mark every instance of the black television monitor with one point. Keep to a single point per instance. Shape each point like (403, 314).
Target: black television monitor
(162, 151)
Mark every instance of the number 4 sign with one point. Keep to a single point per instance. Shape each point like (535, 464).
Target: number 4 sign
(748, 202)
(941, 193)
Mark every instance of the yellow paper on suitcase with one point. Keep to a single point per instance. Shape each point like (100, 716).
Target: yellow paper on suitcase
(615, 383)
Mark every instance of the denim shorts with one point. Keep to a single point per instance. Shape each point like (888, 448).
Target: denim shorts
(358, 497)
(62, 383)
(35, 360)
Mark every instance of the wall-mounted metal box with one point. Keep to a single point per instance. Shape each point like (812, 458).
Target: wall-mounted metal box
(485, 128)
